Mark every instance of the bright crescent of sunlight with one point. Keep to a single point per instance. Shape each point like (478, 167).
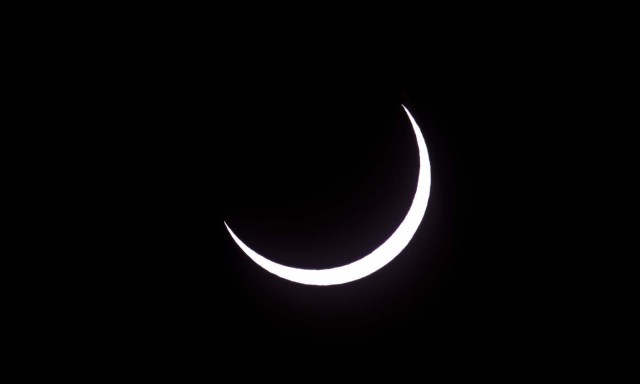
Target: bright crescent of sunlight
(376, 259)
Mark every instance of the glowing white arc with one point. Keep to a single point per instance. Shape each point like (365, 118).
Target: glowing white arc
(376, 259)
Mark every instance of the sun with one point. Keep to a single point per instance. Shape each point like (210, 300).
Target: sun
(376, 259)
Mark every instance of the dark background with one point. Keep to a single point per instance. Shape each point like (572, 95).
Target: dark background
(289, 127)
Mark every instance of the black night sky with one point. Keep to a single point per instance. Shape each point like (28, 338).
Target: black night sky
(307, 154)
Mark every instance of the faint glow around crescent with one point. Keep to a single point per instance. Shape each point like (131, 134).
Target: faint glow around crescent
(376, 259)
